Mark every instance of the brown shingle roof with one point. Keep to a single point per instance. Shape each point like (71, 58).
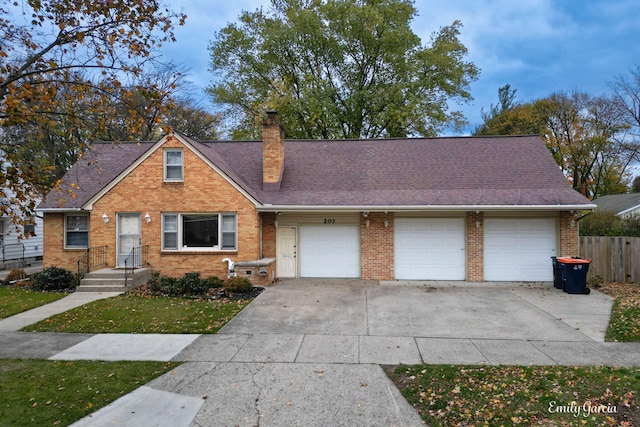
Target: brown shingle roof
(458, 171)
(100, 165)
(430, 172)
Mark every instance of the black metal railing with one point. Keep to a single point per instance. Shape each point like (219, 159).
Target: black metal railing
(92, 257)
(138, 257)
(12, 252)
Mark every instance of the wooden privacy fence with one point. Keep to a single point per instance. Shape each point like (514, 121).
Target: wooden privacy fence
(614, 259)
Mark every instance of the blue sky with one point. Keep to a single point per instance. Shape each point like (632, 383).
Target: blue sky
(537, 46)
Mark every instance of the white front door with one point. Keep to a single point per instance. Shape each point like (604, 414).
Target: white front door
(286, 252)
(128, 235)
(429, 248)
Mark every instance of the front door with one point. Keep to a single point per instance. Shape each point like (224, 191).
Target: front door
(286, 252)
(128, 236)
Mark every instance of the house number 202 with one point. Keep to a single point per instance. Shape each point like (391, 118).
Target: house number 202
(329, 221)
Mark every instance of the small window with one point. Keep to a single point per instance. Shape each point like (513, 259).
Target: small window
(199, 231)
(173, 164)
(228, 231)
(76, 231)
(30, 226)
(170, 231)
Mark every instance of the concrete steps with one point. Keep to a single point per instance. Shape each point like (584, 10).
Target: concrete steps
(112, 280)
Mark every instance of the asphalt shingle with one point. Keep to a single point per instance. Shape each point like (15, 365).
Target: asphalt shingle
(430, 172)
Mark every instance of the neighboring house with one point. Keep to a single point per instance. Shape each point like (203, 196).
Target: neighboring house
(18, 247)
(460, 208)
(624, 205)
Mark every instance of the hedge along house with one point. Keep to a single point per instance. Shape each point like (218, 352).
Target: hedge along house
(459, 208)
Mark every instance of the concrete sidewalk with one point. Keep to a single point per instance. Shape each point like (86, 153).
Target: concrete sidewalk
(71, 301)
(308, 352)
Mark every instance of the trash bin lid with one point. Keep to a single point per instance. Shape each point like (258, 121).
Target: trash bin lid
(569, 260)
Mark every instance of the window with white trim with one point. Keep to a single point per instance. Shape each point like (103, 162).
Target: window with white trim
(185, 231)
(173, 164)
(76, 231)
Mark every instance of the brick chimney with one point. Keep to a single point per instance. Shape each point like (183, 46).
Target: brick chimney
(272, 152)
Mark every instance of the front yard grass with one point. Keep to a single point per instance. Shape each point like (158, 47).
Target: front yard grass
(42, 392)
(515, 395)
(17, 300)
(624, 324)
(137, 313)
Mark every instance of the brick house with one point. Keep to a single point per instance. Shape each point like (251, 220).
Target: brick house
(451, 208)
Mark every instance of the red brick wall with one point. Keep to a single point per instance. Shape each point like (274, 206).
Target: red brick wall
(569, 236)
(273, 150)
(269, 235)
(54, 254)
(376, 247)
(144, 191)
(475, 246)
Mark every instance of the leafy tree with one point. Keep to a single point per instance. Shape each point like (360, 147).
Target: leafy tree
(635, 186)
(585, 134)
(506, 102)
(339, 69)
(607, 223)
(601, 223)
(60, 59)
(193, 121)
(45, 149)
(521, 119)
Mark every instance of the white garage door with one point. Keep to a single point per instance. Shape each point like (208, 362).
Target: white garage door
(330, 251)
(429, 248)
(519, 249)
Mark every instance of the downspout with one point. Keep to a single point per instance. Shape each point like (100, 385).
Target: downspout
(261, 255)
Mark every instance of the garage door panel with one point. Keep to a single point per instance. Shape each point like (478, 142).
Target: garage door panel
(429, 249)
(330, 251)
(519, 249)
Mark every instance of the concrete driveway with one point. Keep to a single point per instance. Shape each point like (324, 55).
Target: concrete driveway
(308, 352)
(505, 311)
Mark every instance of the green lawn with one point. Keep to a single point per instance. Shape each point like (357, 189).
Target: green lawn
(515, 395)
(130, 313)
(41, 392)
(624, 324)
(16, 300)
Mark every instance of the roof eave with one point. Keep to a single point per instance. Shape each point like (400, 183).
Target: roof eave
(420, 208)
(625, 211)
(59, 210)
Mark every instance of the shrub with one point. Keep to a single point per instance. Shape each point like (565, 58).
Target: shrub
(54, 279)
(192, 284)
(214, 282)
(15, 274)
(607, 223)
(154, 283)
(238, 285)
(169, 286)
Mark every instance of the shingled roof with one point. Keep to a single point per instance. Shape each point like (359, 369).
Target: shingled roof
(618, 203)
(432, 173)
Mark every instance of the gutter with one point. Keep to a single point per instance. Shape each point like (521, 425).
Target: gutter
(60, 210)
(422, 208)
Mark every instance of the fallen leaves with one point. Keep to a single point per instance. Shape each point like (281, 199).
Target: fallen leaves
(624, 324)
(515, 395)
(145, 313)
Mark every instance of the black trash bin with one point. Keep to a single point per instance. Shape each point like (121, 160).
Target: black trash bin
(574, 275)
(557, 274)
